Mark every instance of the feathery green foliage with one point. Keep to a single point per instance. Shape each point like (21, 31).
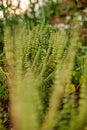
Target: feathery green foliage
(43, 89)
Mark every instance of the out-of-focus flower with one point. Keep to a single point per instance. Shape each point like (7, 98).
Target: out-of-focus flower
(79, 17)
(33, 1)
(24, 4)
(36, 7)
(68, 17)
(67, 26)
(60, 26)
(4, 3)
(0, 2)
(11, 11)
(85, 10)
(13, 7)
(54, 0)
(81, 23)
(9, 2)
(18, 11)
(41, 3)
(1, 15)
(15, 2)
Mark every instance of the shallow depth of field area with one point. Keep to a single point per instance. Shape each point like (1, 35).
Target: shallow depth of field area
(43, 65)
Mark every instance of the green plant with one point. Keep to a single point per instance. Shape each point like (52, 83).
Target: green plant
(1, 126)
(49, 9)
(3, 85)
(44, 81)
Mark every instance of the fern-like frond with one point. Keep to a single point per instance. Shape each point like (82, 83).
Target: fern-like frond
(24, 105)
(58, 87)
